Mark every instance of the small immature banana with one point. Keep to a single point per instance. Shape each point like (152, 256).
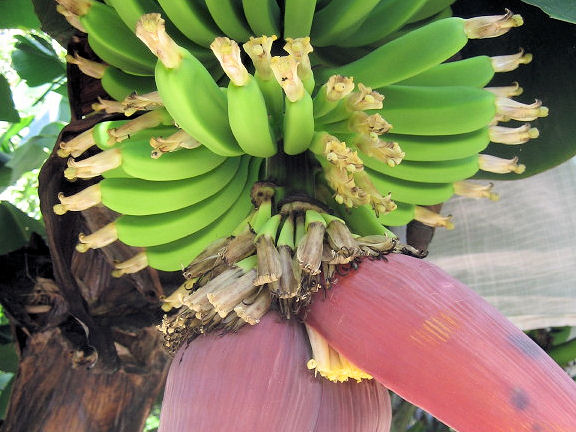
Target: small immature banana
(178, 254)
(420, 49)
(247, 109)
(204, 116)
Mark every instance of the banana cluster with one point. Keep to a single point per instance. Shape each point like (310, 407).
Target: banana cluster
(352, 108)
(273, 258)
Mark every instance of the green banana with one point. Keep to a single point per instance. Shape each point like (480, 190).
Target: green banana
(437, 110)
(403, 214)
(409, 191)
(258, 49)
(247, 109)
(298, 16)
(445, 13)
(176, 255)
(132, 196)
(193, 19)
(298, 124)
(136, 161)
(263, 16)
(120, 84)
(133, 158)
(441, 147)
(204, 116)
(427, 172)
(156, 229)
(249, 119)
(387, 17)
(338, 18)
(229, 16)
(362, 221)
(410, 54)
(130, 11)
(125, 51)
(430, 8)
(475, 71)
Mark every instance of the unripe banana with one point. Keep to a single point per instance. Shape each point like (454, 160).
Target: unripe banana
(441, 147)
(178, 254)
(156, 229)
(133, 196)
(475, 71)
(193, 19)
(298, 16)
(449, 171)
(420, 49)
(229, 16)
(298, 125)
(125, 51)
(119, 84)
(430, 8)
(263, 16)
(384, 19)
(403, 214)
(411, 192)
(337, 18)
(204, 116)
(246, 105)
(437, 110)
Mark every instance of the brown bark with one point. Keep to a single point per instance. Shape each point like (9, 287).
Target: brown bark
(90, 355)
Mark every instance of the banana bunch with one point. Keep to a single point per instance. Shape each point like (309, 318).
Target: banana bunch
(356, 116)
(274, 257)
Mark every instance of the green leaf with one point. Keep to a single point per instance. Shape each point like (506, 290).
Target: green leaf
(18, 14)
(16, 228)
(7, 110)
(36, 61)
(564, 10)
(5, 397)
(5, 140)
(33, 153)
(8, 358)
(550, 77)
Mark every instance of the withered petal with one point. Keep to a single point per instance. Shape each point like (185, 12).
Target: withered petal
(438, 344)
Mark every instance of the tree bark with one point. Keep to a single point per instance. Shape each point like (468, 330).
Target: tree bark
(90, 355)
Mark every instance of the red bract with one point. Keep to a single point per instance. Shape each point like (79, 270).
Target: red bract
(257, 381)
(436, 343)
